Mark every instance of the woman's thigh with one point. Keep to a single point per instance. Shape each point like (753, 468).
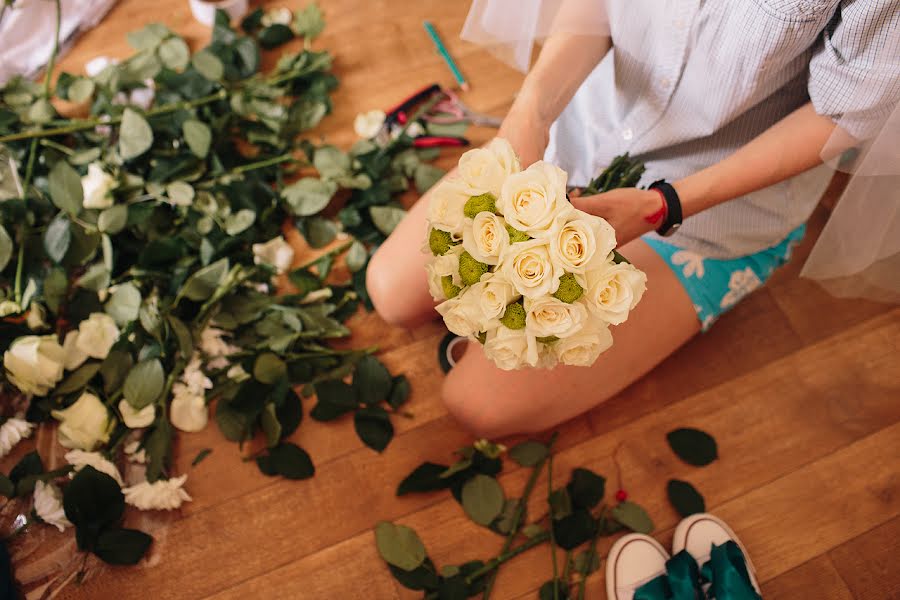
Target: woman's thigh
(395, 278)
(491, 402)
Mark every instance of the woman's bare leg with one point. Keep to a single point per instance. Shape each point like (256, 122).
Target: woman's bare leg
(493, 403)
(395, 278)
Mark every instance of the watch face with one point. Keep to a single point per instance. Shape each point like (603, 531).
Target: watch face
(671, 231)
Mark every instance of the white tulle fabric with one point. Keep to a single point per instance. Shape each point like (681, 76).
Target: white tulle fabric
(510, 28)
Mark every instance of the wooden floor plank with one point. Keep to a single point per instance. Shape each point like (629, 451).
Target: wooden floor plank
(817, 579)
(870, 564)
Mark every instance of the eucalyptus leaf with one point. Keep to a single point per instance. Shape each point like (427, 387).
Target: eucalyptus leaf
(124, 304)
(198, 136)
(240, 221)
(144, 383)
(6, 248)
(205, 281)
(58, 237)
(319, 232)
(308, 196)
(65, 188)
(399, 545)
(693, 446)
(482, 499)
(113, 219)
(81, 90)
(209, 65)
(357, 256)
(386, 218)
(182, 336)
(135, 135)
(174, 53)
(96, 278)
(573, 530)
(529, 453)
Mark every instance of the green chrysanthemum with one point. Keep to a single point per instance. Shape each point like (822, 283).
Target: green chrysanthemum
(514, 317)
(482, 203)
(547, 339)
(516, 236)
(471, 270)
(450, 290)
(439, 241)
(569, 291)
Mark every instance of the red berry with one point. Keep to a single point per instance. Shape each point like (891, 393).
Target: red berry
(621, 496)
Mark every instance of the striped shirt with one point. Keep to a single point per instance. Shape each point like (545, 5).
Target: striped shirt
(688, 82)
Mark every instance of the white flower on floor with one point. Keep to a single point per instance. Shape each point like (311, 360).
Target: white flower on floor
(134, 453)
(96, 335)
(97, 185)
(12, 432)
(48, 505)
(35, 319)
(215, 347)
(84, 424)
(237, 373)
(9, 307)
(194, 378)
(693, 263)
(163, 494)
(275, 252)
(280, 15)
(188, 411)
(74, 357)
(368, 124)
(34, 363)
(80, 459)
(134, 418)
(741, 283)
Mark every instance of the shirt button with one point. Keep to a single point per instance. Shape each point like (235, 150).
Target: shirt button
(664, 82)
(627, 134)
(679, 23)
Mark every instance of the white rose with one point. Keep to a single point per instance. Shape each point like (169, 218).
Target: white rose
(461, 314)
(368, 124)
(280, 15)
(97, 185)
(34, 363)
(546, 316)
(162, 494)
(613, 290)
(85, 424)
(80, 459)
(507, 348)
(134, 418)
(528, 266)
(275, 252)
(583, 348)
(531, 200)
(580, 239)
(445, 205)
(9, 307)
(74, 357)
(486, 238)
(96, 335)
(441, 266)
(188, 410)
(35, 319)
(485, 169)
(13, 431)
(494, 293)
(48, 505)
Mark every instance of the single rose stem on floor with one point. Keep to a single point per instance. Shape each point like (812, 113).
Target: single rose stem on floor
(509, 555)
(520, 511)
(550, 527)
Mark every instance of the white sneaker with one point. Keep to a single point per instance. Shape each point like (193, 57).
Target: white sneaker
(633, 561)
(698, 533)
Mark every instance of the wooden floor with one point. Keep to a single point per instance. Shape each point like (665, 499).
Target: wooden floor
(801, 390)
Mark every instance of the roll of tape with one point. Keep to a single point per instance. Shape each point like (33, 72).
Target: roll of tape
(205, 10)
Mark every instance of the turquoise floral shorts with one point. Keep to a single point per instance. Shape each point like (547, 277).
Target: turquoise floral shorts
(716, 285)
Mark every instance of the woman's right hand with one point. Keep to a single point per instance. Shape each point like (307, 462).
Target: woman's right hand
(525, 130)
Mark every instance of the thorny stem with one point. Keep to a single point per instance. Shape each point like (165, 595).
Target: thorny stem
(591, 553)
(509, 555)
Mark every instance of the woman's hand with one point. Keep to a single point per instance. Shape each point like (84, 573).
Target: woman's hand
(626, 209)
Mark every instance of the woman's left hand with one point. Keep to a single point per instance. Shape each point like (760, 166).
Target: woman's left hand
(626, 209)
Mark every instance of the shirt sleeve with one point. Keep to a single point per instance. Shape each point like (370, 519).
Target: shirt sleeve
(854, 74)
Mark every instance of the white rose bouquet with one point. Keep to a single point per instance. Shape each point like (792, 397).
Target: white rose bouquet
(519, 269)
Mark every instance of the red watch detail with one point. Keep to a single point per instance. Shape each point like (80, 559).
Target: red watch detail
(660, 215)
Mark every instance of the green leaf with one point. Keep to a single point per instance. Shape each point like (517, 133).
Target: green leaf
(399, 392)
(65, 188)
(208, 65)
(25, 473)
(144, 383)
(148, 37)
(529, 453)
(586, 488)
(386, 218)
(275, 35)
(693, 446)
(372, 380)
(124, 304)
(57, 238)
(573, 530)
(308, 195)
(399, 546)
(269, 368)
(174, 53)
(357, 256)
(331, 162)
(240, 221)
(335, 399)
(309, 22)
(373, 426)
(92, 502)
(426, 176)
(197, 135)
(201, 456)
(117, 546)
(425, 478)
(233, 425)
(205, 281)
(289, 413)
(482, 499)
(618, 258)
(114, 370)
(6, 248)
(457, 129)
(632, 516)
(319, 232)
(113, 219)
(180, 193)
(586, 562)
(135, 135)
(685, 498)
(182, 336)
(159, 449)
(288, 460)
(270, 425)
(41, 111)
(81, 90)
(7, 487)
(77, 379)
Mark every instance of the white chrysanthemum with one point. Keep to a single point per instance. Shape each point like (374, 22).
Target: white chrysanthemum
(533, 199)
(12, 432)
(275, 252)
(163, 494)
(368, 124)
(48, 505)
(97, 185)
(134, 418)
(79, 459)
(194, 378)
(188, 410)
(34, 364)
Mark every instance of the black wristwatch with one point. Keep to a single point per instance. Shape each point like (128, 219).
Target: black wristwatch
(673, 207)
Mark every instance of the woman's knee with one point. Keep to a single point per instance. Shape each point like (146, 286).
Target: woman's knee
(479, 408)
(383, 280)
